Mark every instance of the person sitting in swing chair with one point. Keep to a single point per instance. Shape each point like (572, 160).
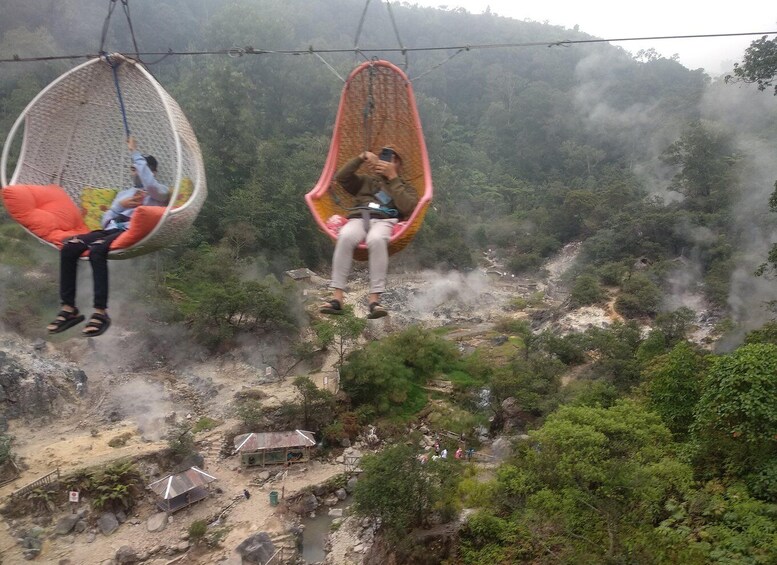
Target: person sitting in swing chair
(382, 199)
(146, 191)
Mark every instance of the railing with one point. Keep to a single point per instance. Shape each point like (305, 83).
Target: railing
(276, 559)
(44, 480)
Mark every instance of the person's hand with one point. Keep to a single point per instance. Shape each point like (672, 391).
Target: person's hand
(369, 157)
(386, 169)
(135, 200)
(132, 144)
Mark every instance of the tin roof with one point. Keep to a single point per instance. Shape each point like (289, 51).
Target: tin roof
(176, 485)
(273, 440)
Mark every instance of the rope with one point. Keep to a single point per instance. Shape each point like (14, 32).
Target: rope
(111, 7)
(437, 66)
(118, 94)
(361, 23)
(125, 5)
(330, 67)
(396, 31)
(311, 50)
(369, 106)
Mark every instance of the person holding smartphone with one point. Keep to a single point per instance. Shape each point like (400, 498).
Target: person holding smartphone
(146, 191)
(382, 199)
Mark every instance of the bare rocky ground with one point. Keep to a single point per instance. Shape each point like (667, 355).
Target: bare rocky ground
(128, 395)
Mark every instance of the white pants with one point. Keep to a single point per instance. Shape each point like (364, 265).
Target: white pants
(351, 235)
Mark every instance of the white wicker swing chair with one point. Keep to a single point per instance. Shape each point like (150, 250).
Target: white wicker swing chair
(74, 137)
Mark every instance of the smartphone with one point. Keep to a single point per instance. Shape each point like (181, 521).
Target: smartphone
(386, 154)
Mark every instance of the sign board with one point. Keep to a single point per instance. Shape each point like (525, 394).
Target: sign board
(73, 496)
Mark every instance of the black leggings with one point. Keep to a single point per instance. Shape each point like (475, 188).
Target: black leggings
(97, 242)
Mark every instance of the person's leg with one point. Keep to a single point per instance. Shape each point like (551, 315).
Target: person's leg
(98, 257)
(350, 236)
(377, 247)
(69, 256)
(68, 270)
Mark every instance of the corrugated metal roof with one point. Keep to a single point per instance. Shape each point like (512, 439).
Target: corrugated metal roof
(175, 485)
(273, 440)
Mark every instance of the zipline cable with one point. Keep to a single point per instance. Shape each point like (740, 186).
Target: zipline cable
(311, 50)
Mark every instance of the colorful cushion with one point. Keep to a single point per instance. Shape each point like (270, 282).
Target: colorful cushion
(144, 219)
(46, 211)
(185, 190)
(94, 203)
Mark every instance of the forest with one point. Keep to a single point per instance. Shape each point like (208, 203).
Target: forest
(663, 450)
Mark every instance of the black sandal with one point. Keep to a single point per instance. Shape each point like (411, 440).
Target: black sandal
(65, 320)
(99, 321)
(376, 311)
(331, 307)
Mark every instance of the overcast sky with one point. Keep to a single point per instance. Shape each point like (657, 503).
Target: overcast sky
(620, 18)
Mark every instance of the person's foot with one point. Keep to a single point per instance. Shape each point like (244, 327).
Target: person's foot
(376, 311)
(66, 319)
(98, 324)
(332, 307)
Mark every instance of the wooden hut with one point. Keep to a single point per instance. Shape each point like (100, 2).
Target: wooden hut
(182, 489)
(274, 448)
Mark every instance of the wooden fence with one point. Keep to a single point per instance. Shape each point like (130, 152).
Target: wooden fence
(44, 480)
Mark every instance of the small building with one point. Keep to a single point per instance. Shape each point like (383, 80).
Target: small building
(182, 489)
(274, 448)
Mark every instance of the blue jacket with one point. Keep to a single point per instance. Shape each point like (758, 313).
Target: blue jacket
(157, 194)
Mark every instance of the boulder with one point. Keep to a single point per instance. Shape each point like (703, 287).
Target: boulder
(66, 524)
(350, 486)
(126, 555)
(157, 522)
(341, 494)
(107, 523)
(258, 548)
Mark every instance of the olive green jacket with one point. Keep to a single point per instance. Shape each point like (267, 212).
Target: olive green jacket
(404, 197)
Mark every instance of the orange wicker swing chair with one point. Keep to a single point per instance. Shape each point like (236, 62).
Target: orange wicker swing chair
(377, 108)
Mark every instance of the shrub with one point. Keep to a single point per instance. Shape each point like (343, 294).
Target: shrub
(639, 297)
(586, 291)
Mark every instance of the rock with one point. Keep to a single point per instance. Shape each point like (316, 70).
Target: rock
(257, 548)
(90, 537)
(126, 555)
(107, 523)
(501, 448)
(345, 442)
(341, 494)
(358, 548)
(80, 527)
(66, 524)
(183, 546)
(351, 484)
(157, 522)
(307, 503)
(331, 500)
(336, 512)
(121, 517)
(264, 475)
(65, 562)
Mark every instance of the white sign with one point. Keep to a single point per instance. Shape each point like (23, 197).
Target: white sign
(73, 496)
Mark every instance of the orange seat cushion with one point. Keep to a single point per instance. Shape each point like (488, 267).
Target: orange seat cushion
(48, 212)
(144, 219)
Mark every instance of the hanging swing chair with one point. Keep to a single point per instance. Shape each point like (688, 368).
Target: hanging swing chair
(73, 158)
(377, 108)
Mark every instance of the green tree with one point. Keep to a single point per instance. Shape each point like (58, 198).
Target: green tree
(340, 331)
(759, 65)
(318, 405)
(590, 483)
(706, 157)
(736, 418)
(673, 383)
(401, 491)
